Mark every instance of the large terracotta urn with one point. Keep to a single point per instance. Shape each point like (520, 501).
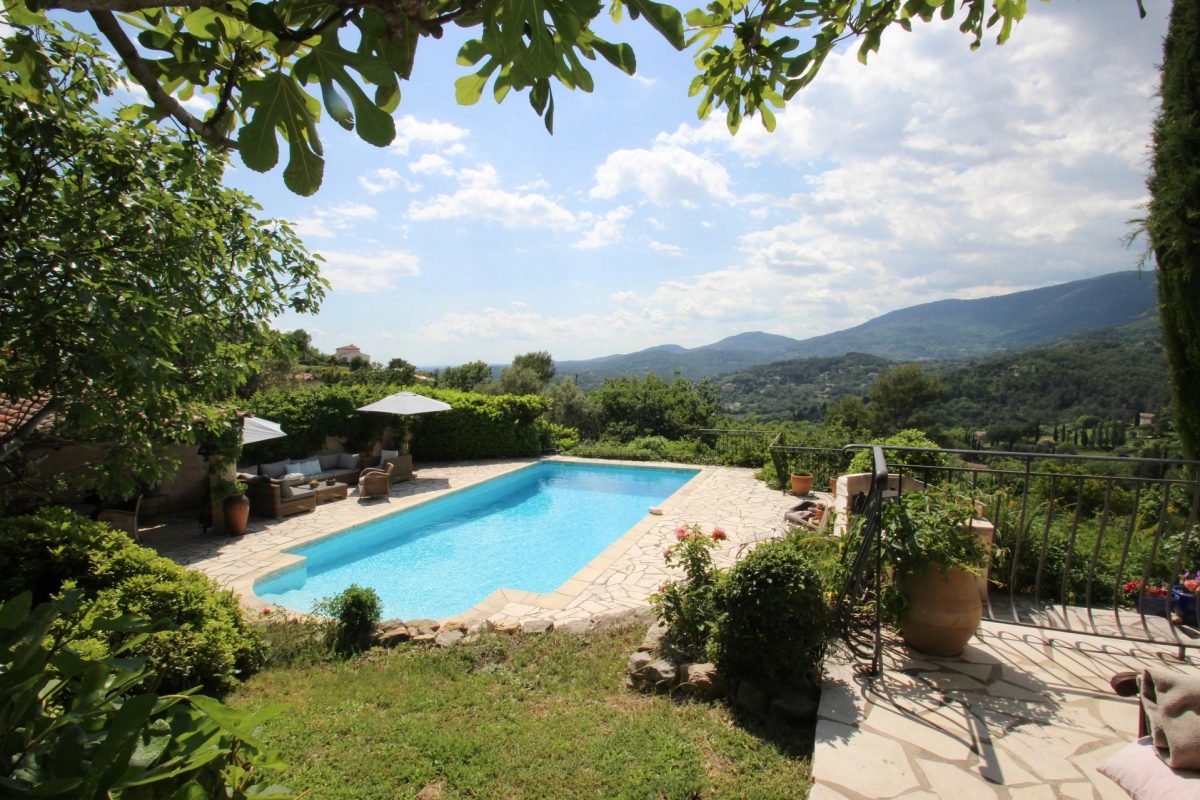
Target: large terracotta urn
(943, 610)
(237, 514)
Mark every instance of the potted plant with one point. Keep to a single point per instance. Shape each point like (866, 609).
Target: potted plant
(1183, 596)
(1149, 600)
(237, 508)
(802, 483)
(936, 554)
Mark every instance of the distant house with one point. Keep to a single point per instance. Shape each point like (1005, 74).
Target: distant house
(1146, 418)
(349, 352)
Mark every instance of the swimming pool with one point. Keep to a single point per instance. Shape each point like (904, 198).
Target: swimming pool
(529, 530)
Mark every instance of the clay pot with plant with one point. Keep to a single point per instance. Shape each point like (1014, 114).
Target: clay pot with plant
(936, 555)
(236, 507)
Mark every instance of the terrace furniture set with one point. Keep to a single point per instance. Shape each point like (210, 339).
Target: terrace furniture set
(281, 488)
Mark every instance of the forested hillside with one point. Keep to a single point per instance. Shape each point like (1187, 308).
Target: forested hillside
(1111, 374)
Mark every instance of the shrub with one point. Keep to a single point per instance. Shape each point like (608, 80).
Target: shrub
(773, 617)
(649, 448)
(357, 610)
(688, 606)
(79, 727)
(864, 461)
(209, 643)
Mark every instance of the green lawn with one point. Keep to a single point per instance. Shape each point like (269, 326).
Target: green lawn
(514, 717)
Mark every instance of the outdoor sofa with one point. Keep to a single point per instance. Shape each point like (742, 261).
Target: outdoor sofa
(281, 488)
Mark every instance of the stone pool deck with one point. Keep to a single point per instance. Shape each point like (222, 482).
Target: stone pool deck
(1022, 713)
(616, 581)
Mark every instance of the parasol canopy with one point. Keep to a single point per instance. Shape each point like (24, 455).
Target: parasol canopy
(257, 429)
(406, 403)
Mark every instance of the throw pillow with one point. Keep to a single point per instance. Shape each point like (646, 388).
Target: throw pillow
(276, 469)
(1138, 769)
(384, 455)
(328, 461)
(348, 461)
(294, 478)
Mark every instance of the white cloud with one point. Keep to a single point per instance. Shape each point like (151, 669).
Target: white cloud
(385, 179)
(434, 134)
(669, 249)
(361, 272)
(607, 230)
(481, 197)
(328, 222)
(430, 163)
(665, 174)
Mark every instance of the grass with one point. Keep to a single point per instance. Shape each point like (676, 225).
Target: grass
(514, 717)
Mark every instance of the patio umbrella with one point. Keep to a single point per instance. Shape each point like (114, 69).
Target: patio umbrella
(257, 429)
(405, 403)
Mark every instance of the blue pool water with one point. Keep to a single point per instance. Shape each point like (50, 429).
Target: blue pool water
(529, 530)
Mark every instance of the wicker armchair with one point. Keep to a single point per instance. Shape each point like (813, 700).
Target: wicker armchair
(374, 482)
(123, 519)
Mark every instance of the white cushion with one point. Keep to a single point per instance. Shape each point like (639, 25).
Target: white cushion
(384, 455)
(294, 478)
(1138, 769)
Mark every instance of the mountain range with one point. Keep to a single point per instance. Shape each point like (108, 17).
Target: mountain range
(943, 329)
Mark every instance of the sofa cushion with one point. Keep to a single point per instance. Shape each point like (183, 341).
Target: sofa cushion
(247, 469)
(276, 469)
(328, 461)
(309, 466)
(347, 461)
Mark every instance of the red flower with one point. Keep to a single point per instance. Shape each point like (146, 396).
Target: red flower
(719, 535)
(266, 611)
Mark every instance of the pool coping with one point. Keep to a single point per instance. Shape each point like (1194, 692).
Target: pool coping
(566, 593)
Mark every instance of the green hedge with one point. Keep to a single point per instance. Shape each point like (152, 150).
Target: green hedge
(477, 426)
(212, 644)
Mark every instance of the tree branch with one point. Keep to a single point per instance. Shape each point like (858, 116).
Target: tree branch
(122, 6)
(112, 30)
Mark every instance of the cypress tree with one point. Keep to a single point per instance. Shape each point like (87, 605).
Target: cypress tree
(1173, 223)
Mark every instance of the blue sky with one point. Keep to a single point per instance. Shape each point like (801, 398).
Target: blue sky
(933, 172)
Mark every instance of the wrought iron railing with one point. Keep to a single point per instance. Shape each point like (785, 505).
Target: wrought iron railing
(1093, 545)
(823, 462)
(743, 447)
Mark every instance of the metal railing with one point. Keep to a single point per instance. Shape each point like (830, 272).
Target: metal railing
(743, 447)
(1092, 545)
(823, 462)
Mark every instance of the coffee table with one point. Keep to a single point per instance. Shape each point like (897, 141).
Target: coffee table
(327, 493)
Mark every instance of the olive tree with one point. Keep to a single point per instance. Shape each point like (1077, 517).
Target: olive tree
(135, 290)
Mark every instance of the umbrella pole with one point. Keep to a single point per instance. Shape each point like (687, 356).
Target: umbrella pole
(405, 438)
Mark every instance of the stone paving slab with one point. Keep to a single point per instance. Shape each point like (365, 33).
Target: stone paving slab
(618, 580)
(1020, 714)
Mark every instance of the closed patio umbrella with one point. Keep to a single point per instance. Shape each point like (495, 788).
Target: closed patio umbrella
(257, 429)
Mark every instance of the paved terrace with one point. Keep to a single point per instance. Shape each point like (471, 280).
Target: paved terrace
(1021, 714)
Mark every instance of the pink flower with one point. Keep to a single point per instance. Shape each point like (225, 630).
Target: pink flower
(266, 611)
(719, 535)
(667, 553)
(662, 587)
(682, 533)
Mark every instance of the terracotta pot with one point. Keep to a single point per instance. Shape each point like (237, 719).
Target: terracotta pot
(237, 514)
(802, 484)
(943, 611)
(833, 485)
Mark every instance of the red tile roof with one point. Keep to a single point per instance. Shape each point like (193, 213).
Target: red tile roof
(16, 412)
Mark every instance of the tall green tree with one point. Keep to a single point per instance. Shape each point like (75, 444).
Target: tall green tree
(899, 394)
(1173, 224)
(270, 66)
(465, 377)
(135, 289)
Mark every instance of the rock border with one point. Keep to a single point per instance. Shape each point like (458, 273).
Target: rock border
(650, 670)
(393, 632)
